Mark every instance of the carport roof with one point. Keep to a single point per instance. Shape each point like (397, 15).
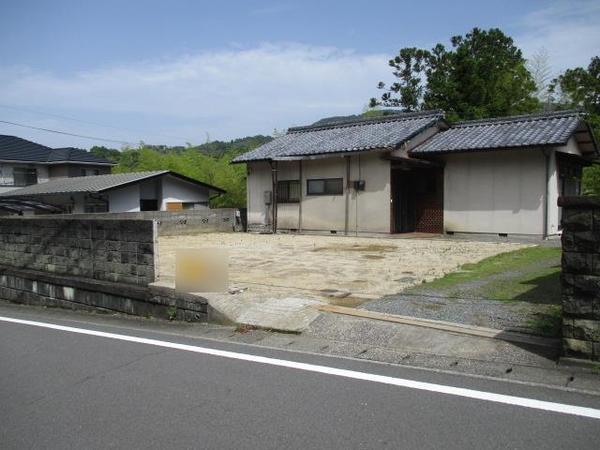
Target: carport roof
(97, 183)
(385, 132)
(533, 130)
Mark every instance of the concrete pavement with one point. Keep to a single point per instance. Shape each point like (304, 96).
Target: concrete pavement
(62, 389)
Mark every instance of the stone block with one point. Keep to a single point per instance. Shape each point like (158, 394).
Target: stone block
(146, 248)
(588, 330)
(578, 263)
(580, 241)
(577, 347)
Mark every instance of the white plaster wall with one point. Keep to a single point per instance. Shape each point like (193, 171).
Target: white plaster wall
(554, 211)
(259, 181)
(288, 214)
(176, 190)
(369, 210)
(6, 172)
(495, 192)
(323, 212)
(125, 199)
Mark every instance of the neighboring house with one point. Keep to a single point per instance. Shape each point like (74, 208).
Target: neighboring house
(122, 192)
(23, 163)
(415, 172)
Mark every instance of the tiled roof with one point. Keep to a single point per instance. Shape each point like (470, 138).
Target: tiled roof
(345, 136)
(14, 148)
(17, 149)
(72, 154)
(97, 183)
(509, 132)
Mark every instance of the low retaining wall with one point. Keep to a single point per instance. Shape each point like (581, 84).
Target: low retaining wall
(43, 289)
(189, 221)
(580, 276)
(121, 251)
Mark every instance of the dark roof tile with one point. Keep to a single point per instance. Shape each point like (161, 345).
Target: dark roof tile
(517, 131)
(17, 149)
(346, 136)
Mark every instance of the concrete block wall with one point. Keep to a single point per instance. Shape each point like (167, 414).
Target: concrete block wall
(32, 288)
(580, 278)
(121, 251)
(189, 221)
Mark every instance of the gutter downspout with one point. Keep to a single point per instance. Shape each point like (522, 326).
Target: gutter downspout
(546, 192)
(347, 208)
(300, 195)
(274, 195)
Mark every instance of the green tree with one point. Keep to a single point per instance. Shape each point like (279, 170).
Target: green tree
(483, 75)
(209, 162)
(111, 154)
(580, 88)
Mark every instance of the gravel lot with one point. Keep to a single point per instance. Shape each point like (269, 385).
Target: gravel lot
(472, 303)
(337, 269)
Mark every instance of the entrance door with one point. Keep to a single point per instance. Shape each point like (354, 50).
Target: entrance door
(417, 200)
(403, 202)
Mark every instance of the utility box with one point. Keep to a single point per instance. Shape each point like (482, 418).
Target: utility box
(359, 185)
(268, 197)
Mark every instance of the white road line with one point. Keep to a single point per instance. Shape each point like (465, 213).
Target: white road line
(411, 384)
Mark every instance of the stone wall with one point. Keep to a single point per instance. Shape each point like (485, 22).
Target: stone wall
(120, 251)
(581, 276)
(45, 289)
(191, 221)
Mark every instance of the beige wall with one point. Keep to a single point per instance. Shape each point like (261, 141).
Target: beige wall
(368, 210)
(495, 192)
(259, 181)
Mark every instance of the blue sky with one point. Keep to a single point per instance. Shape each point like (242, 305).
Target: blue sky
(187, 71)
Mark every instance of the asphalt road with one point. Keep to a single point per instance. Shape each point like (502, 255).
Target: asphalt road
(63, 389)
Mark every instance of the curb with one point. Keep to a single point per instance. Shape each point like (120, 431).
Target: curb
(471, 330)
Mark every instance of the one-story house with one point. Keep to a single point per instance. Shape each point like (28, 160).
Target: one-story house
(161, 190)
(416, 172)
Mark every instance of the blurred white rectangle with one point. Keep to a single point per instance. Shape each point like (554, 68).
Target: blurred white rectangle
(201, 270)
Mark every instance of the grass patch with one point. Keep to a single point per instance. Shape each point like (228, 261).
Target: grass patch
(539, 286)
(547, 324)
(494, 265)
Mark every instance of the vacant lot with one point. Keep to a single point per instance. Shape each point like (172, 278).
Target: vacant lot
(337, 269)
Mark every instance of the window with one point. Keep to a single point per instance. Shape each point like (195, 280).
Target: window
(89, 172)
(288, 191)
(24, 176)
(327, 186)
(148, 205)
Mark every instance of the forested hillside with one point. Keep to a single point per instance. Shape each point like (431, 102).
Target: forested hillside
(208, 162)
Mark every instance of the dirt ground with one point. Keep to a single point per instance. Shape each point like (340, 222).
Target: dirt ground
(336, 269)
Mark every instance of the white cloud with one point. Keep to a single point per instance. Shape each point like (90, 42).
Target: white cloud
(228, 94)
(567, 30)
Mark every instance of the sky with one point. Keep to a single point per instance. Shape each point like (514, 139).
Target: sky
(176, 72)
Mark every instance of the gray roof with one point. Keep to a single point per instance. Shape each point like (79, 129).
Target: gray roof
(14, 148)
(72, 154)
(95, 184)
(386, 132)
(517, 131)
